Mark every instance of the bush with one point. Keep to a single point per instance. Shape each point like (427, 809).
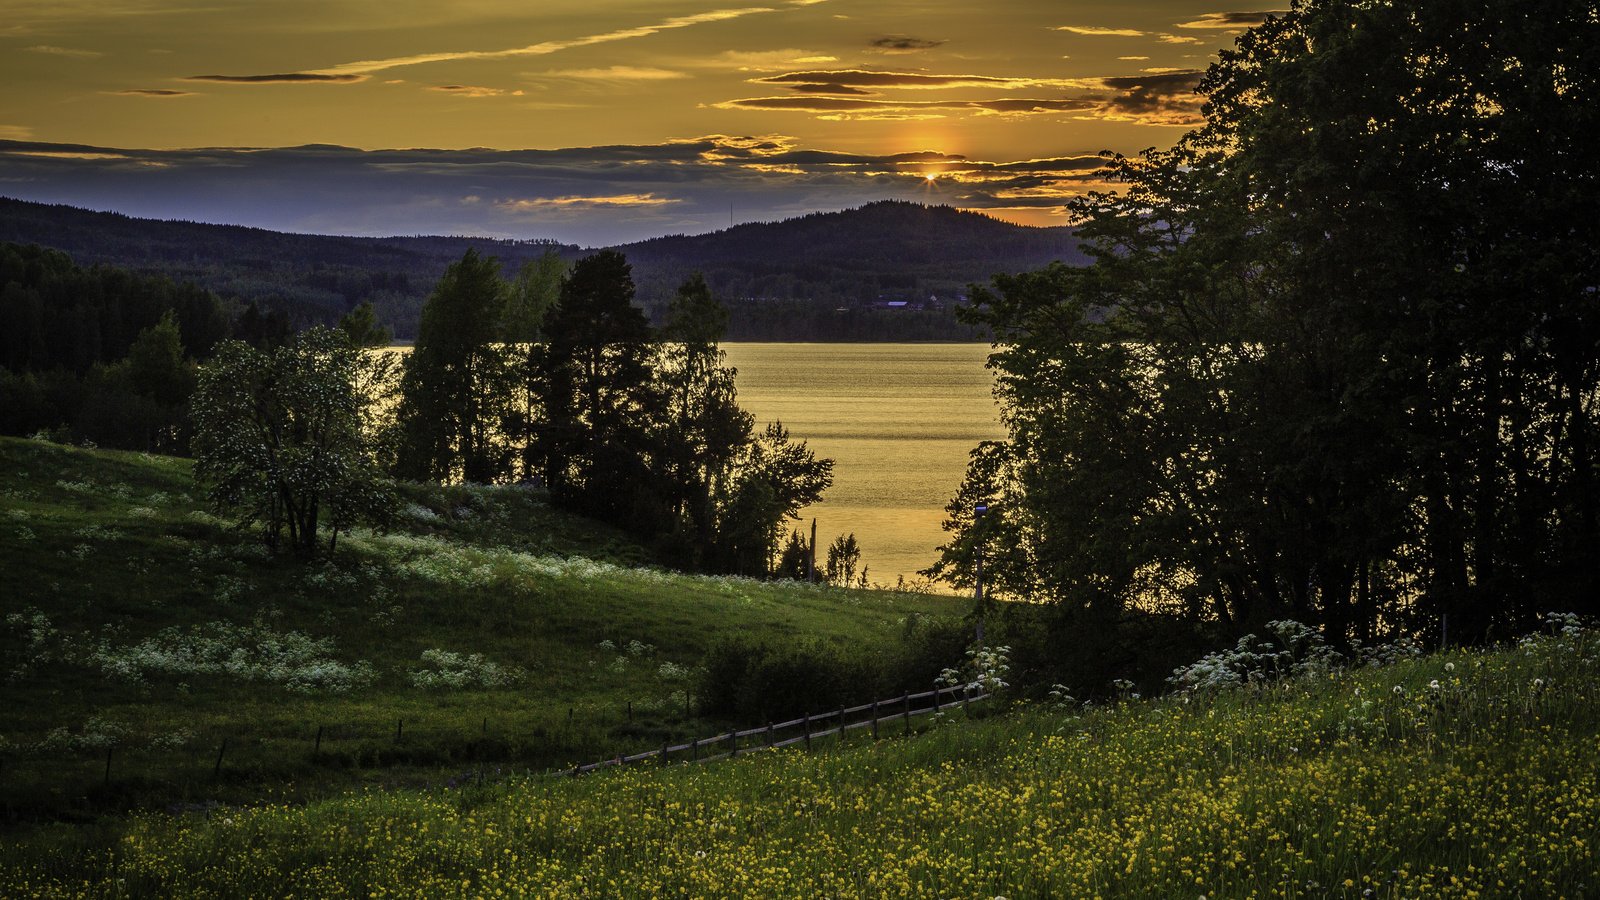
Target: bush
(753, 682)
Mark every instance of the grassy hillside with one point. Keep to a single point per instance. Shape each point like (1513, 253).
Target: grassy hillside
(1468, 774)
(487, 631)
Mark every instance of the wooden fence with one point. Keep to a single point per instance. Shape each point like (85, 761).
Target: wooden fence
(772, 735)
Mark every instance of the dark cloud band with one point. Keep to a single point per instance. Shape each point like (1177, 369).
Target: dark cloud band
(595, 195)
(281, 78)
(902, 43)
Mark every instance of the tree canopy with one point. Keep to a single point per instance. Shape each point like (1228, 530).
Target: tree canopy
(1337, 357)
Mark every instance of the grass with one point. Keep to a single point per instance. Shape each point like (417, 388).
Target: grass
(486, 631)
(1467, 774)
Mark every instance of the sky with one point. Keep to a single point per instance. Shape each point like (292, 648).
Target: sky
(585, 121)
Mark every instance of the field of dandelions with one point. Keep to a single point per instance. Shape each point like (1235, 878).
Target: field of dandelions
(142, 638)
(1461, 774)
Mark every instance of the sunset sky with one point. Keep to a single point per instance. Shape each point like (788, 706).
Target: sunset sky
(592, 122)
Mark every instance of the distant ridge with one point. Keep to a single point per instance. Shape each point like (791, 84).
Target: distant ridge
(889, 252)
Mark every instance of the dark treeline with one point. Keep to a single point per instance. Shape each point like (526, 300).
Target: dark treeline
(1337, 358)
(557, 377)
(107, 356)
(783, 281)
(99, 354)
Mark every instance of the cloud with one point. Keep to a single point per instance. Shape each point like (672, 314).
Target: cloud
(867, 78)
(902, 43)
(827, 88)
(15, 132)
(1132, 58)
(367, 67)
(1178, 39)
(283, 78)
(614, 73)
(612, 201)
(1230, 20)
(153, 92)
(472, 90)
(593, 195)
(765, 60)
(1098, 31)
(63, 51)
(1003, 106)
(1154, 98)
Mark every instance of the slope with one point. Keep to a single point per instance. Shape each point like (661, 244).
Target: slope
(1465, 774)
(486, 628)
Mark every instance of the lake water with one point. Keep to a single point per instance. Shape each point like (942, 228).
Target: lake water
(898, 420)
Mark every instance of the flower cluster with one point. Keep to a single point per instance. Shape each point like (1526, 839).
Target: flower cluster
(456, 670)
(254, 652)
(1291, 650)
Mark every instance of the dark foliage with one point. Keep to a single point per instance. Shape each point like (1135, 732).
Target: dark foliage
(1337, 357)
(754, 681)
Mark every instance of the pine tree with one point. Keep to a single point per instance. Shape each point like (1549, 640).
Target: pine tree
(597, 444)
(456, 387)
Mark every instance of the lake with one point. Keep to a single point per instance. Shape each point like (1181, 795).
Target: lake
(898, 420)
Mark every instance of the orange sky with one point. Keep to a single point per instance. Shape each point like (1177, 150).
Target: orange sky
(1003, 92)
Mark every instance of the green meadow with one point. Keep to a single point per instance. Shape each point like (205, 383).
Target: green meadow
(167, 682)
(1467, 774)
(484, 632)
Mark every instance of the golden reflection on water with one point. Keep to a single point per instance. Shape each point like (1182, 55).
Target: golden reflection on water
(897, 419)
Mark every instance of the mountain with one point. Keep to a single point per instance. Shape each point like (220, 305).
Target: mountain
(886, 271)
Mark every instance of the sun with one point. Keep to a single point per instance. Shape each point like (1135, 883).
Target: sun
(930, 178)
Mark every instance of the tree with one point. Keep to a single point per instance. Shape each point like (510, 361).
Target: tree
(596, 444)
(362, 327)
(455, 391)
(529, 300)
(794, 559)
(282, 437)
(703, 428)
(532, 295)
(1331, 357)
(770, 482)
(844, 554)
(141, 401)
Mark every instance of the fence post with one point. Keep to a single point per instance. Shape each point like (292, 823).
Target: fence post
(769, 733)
(108, 766)
(694, 748)
(663, 753)
(874, 720)
(807, 727)
(216, 770)
(630, 710)
(966, 701)
(316, 749)
(841, 725)
(399, 729)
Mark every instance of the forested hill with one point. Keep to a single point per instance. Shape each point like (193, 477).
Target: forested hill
(885, 250)
(827, 276)
(314, 278)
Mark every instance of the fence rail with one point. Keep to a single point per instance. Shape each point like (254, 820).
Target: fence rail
(906, 707)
